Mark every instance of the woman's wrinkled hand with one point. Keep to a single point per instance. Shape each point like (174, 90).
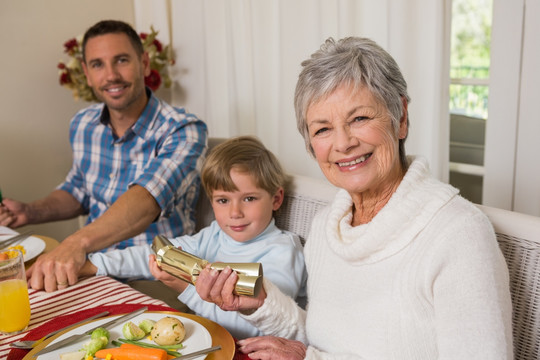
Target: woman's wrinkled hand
(272, 348)
(218, 287)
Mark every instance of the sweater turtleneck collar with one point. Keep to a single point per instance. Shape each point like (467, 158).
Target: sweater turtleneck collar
(418, 197)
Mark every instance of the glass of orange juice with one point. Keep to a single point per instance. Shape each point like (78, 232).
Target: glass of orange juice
(14, 302)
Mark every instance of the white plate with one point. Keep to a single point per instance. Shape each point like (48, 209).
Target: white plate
(197, 337)
(32, 245)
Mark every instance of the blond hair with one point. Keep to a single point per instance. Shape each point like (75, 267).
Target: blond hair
(245, 154)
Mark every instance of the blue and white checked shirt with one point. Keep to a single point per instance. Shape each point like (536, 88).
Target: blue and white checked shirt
(162, 152)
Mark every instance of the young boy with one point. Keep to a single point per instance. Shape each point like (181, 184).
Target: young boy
(245, 184)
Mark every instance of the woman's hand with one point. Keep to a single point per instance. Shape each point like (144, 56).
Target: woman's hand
(218, 287)
(272, 348)
(166, 278)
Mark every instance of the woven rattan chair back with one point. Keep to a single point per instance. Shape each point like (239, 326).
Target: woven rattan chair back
(519, 239)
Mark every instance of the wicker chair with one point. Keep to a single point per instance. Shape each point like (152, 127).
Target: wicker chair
(519, 239)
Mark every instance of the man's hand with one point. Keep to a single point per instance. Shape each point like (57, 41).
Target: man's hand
(58, 205)
(166, 278)
(57, 269)
(13, 213)
(128, 216)
(272, 348)
(217, 287)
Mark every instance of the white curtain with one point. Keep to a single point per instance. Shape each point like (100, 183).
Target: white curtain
(237, 62)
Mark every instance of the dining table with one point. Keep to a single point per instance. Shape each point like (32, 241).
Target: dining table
(51, 311)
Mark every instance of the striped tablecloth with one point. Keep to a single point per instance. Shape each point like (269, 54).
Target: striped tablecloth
(99, 293)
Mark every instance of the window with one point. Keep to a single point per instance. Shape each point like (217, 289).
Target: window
(469, 89)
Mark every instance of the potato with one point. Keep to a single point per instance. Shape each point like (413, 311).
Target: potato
(76, 355)
(168, 331)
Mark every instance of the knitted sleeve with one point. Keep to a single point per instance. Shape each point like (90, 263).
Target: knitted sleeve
(279, 315)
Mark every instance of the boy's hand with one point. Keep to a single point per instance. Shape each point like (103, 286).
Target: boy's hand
(88, 269)
(166, 278)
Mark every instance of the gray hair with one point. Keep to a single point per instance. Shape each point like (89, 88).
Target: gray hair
(351, 61)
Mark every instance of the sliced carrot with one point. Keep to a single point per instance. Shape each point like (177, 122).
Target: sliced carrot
(129, 346)
(125, 345)
(133, 352)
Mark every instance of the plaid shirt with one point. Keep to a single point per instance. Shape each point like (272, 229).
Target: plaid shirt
(162, 152)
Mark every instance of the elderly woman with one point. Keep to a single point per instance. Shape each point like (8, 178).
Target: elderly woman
(399, 265)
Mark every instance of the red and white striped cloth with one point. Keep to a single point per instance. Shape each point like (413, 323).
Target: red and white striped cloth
(94, 292)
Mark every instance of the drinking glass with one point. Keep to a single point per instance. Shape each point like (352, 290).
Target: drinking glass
(14, 302)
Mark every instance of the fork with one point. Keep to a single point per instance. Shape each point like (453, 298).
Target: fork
(12, 240)
(30, 344)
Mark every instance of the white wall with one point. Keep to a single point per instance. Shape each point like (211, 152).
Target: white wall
(34, 147)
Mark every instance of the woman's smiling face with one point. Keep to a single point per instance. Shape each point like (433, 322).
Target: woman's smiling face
(354, 142)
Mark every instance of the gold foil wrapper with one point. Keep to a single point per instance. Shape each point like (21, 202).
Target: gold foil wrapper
(187, 267)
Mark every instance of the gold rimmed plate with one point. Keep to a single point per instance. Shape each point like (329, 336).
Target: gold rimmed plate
(201, 333)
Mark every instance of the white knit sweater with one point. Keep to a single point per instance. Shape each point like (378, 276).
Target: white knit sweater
(425, 279)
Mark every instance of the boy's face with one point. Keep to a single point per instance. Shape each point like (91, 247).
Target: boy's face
(245, 213)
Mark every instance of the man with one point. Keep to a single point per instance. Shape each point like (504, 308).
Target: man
(136, 163)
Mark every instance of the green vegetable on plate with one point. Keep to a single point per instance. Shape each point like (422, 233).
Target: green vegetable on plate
(146, 325)
(132, 331)
(99, 339)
